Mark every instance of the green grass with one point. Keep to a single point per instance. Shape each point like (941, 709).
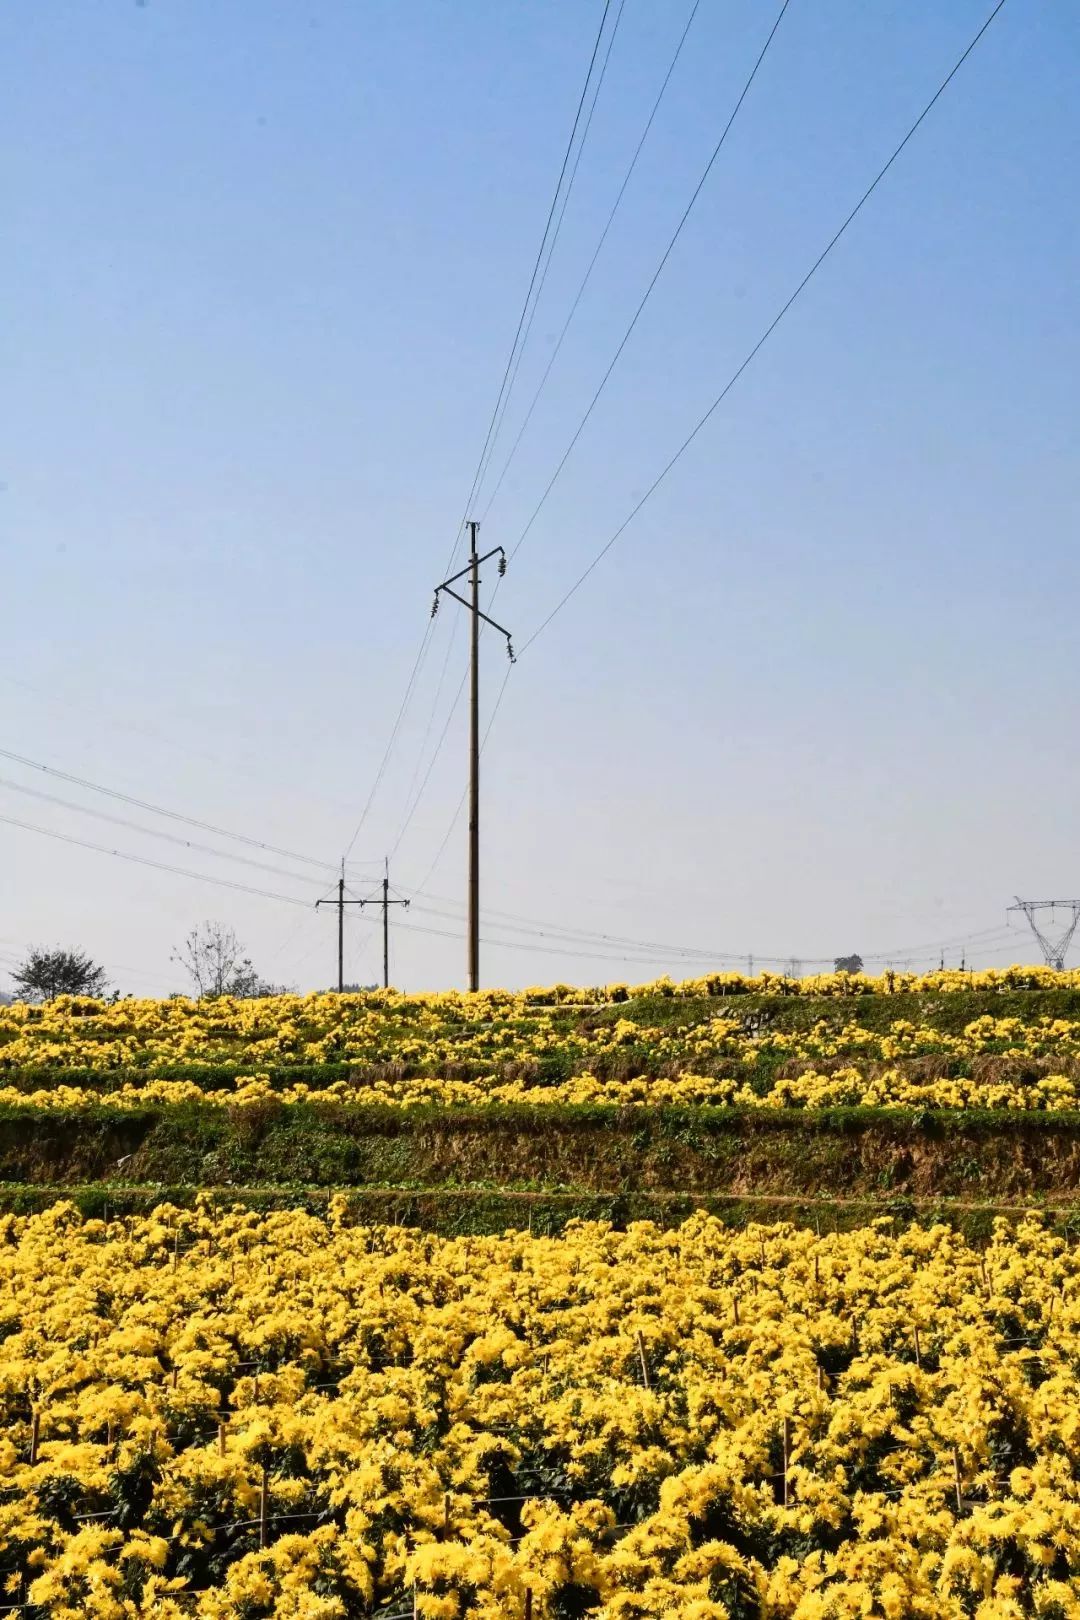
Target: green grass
(853, 1152)
(485, 1210)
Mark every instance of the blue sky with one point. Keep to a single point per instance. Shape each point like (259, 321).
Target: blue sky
(263, 267)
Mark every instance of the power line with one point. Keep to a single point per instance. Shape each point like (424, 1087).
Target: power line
(488, 441)
(691, 953)
(380, 773)
(232, 764)
(596, 254)
(488, 438)
(151, 832)
(550, 250)
(655, 278)
(769, 330)
(159, 866)
(160, 810)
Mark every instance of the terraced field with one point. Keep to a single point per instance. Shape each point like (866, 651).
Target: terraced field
(723, 1301)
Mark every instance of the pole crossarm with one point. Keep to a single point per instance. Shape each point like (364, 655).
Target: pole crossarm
(385, 902)
(473, 606)
(339, 902)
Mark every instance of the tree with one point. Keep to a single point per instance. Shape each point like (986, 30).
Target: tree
(57, 972)
(214, 960)
(848, 964)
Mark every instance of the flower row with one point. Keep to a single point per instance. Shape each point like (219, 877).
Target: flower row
(234, 1416)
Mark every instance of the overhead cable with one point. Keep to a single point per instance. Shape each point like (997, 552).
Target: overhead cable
(488, 441)
(579, 430)
(153, 832)
(160, 810)
(592, 262)
(159, 866)
(769, 330)
(550, 250)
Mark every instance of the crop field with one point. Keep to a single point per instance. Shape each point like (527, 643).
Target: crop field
(719, 1300)
(230, 1415)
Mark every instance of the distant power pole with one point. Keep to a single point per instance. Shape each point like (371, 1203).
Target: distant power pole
(472, 568)
(340, 902)
(386, 903)
(1053, 946)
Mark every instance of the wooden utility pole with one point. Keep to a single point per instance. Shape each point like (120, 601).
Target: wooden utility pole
(474, 762)
(472, 602)
(386, 903)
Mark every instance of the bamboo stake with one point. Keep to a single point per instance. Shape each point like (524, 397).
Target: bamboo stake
(221, 1429)
(787, 1453)
(641, 1355)
(35, 1435)
(918, 1347)
(956, 1479)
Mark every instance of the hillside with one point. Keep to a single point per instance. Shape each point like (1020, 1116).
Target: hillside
(826, 1100)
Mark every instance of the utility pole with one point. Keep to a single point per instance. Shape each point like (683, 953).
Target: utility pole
(386, 903)
(340, 902)
(472, 602)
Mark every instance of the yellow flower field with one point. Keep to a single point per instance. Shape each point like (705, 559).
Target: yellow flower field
(410, 1032)
(235, 1416)
(406, 1053)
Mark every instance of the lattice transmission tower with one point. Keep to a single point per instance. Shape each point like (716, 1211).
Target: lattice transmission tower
(1054, 945)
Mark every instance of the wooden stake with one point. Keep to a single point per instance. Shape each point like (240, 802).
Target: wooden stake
(735, 1304)
(221, 1430)
(35, 1436)
(175, 1376)
(956, 1480)
(787, 1453)
(263, 1492)
(175, 1248)
(641, 1355)
(918, 1347)
(528, 1603)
